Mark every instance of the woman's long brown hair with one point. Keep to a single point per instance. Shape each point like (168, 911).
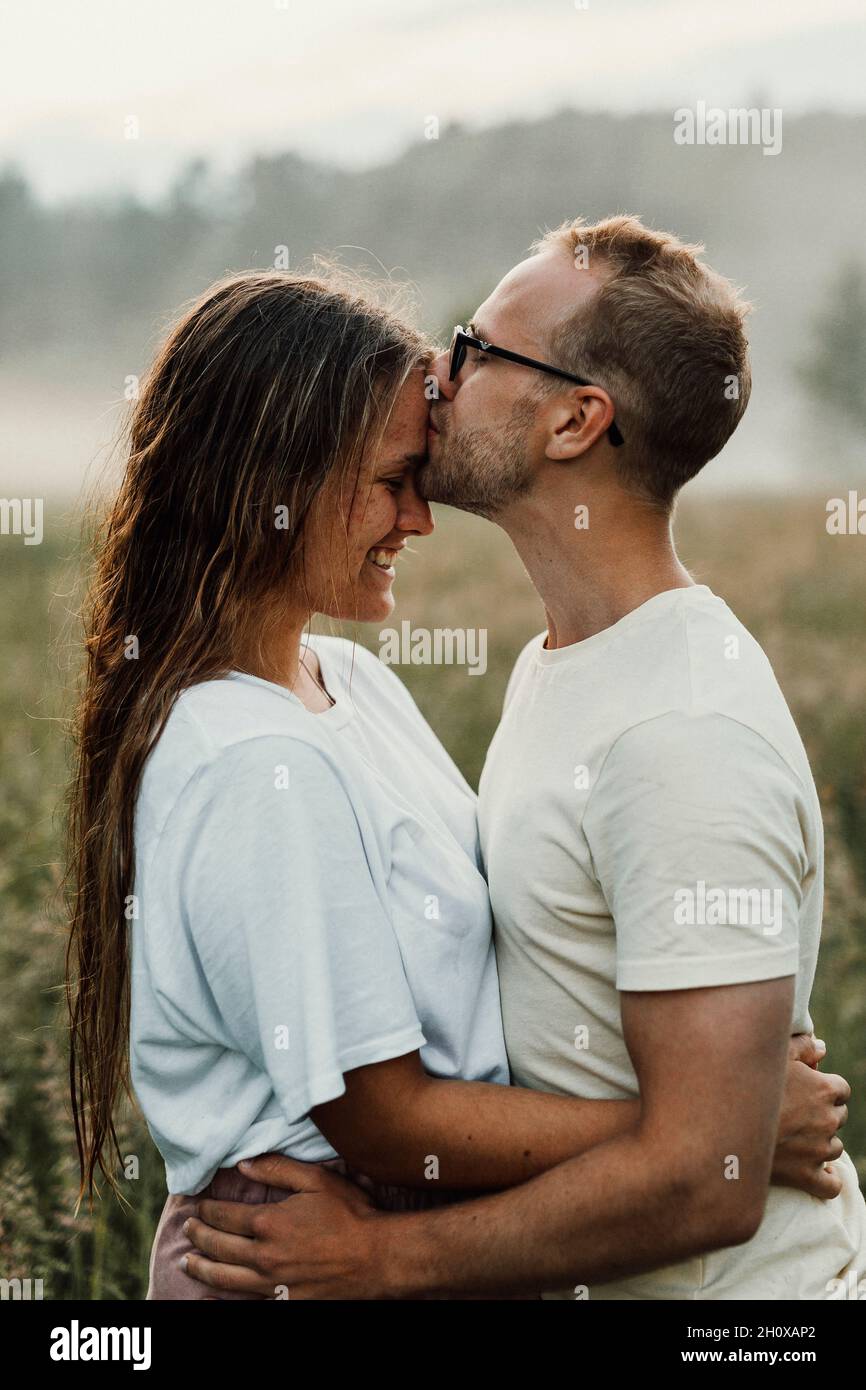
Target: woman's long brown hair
(268, 385)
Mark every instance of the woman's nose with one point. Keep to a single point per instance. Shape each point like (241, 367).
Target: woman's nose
(414, 513)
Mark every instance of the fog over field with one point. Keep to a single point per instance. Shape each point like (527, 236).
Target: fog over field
(88, 286)
(145, 151)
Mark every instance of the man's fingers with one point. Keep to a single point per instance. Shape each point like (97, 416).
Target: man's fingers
(818, 1181)
(841, 1091)
(217, 1245)
(238, 1218)
(230, 1278)
(275, 1170)
(803, 1047)
(827, 1184)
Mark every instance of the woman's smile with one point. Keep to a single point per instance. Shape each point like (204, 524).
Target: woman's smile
(382, 559)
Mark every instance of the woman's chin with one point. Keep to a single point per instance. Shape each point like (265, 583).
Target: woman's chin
(367, 608)
(377, 608)
(376, 596)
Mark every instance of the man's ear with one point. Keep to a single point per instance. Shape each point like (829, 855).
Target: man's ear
(578, 420)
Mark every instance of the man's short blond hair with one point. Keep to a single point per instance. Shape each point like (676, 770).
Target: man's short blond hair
(665, 336)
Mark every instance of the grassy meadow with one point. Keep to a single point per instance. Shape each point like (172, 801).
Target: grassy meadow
(799, 590)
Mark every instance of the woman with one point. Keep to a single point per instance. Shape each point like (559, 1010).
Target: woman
(280, 909)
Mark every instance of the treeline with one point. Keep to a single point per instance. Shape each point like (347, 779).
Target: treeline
(97, 277)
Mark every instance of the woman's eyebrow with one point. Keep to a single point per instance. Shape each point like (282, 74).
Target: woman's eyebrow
(405, 461)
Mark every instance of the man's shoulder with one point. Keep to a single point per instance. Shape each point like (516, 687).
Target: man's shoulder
(695, 641)
(691, 666)
(684, 743)
(730, 675)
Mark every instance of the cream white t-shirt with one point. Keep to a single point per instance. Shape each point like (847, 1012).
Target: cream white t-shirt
(309, 900)
(649, 821)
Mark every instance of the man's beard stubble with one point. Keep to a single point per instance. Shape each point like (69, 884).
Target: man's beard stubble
(481, 470)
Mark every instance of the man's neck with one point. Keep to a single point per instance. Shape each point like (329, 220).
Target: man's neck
(588, 577)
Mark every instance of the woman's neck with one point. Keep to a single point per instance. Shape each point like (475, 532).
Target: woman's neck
(277, 651)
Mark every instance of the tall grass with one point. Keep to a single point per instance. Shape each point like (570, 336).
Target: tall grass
(799, 590)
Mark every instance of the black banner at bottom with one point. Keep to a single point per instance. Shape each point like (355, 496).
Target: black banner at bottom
(257, 1341)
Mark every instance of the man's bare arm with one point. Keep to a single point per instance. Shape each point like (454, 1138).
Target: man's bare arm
(394, 1116)
(692, 1177)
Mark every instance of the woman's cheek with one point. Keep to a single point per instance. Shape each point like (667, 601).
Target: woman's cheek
(383, 518)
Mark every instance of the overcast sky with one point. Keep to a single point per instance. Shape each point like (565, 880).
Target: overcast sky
(352, 81)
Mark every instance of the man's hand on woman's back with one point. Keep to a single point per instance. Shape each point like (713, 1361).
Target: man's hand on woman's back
(814, 1109)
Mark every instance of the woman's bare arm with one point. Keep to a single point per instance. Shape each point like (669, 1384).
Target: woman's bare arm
(400, 1125)
(395, 1119)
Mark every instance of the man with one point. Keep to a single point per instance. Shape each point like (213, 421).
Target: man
(649, 822)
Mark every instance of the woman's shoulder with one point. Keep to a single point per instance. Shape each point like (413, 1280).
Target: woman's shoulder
(216, 727)
(228, 707)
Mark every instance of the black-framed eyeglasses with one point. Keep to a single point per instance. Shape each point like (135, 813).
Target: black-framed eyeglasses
(463, 340)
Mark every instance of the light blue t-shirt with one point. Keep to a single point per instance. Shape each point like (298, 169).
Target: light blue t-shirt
(309, 900)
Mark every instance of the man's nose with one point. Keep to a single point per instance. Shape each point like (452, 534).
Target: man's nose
(441, 367)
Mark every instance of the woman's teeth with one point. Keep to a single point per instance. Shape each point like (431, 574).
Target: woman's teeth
(383, 558)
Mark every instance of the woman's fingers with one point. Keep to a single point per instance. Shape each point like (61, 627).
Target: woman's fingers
(229, 1278)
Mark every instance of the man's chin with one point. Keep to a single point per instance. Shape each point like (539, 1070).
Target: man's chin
(436, 484)
(427, 484)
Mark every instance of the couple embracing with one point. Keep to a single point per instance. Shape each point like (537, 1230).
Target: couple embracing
(591, 1072)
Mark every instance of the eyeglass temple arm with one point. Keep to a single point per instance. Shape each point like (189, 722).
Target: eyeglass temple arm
(613, 431)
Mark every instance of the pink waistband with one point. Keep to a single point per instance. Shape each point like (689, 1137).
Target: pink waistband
(168, 1280)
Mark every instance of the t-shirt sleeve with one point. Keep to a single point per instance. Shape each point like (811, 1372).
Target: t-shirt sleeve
(695, 827)
(285, 901)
